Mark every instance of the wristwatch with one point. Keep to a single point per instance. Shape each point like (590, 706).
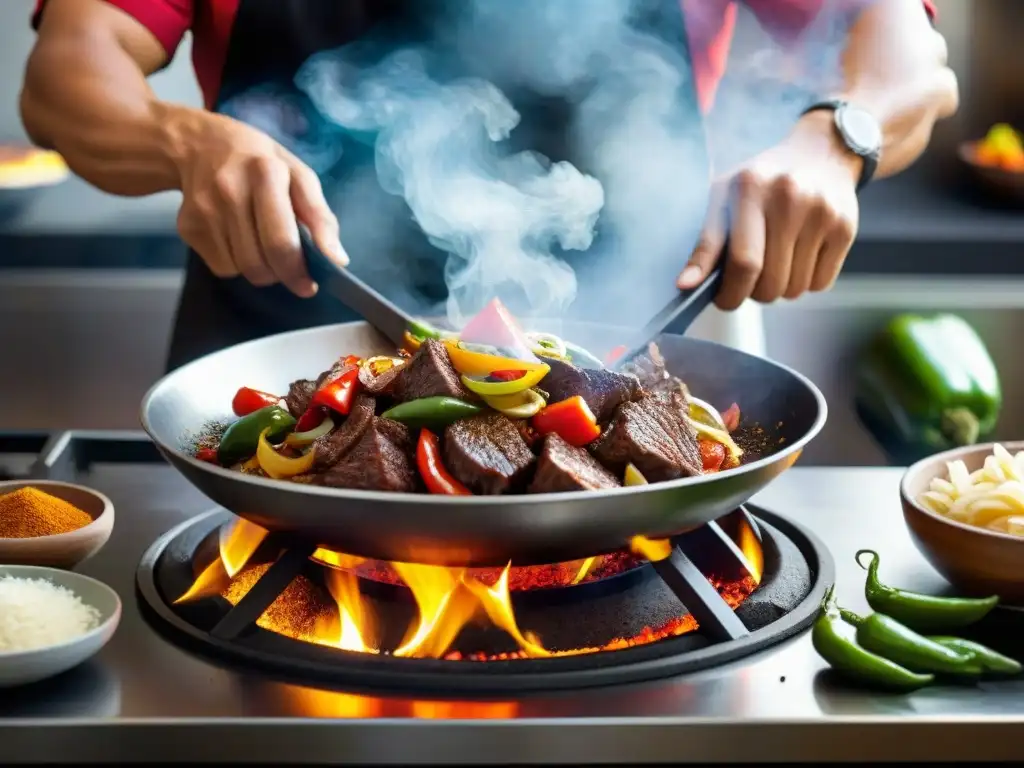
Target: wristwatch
(860, 131)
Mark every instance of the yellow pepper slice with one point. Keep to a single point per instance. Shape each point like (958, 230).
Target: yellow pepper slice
(278, 466)
(521, 405)
(478, 364)
(632, 476)
(528, 380)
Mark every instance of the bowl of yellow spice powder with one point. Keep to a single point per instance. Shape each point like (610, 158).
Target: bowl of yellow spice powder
(45, 522)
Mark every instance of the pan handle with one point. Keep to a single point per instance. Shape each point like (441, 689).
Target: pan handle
(344, 286)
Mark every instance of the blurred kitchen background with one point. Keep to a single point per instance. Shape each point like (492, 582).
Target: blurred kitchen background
(88, 282)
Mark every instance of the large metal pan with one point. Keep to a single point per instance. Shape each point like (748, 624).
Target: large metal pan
(478, 531)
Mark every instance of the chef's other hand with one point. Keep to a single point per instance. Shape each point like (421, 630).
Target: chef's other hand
(244, 198)
(789, 216)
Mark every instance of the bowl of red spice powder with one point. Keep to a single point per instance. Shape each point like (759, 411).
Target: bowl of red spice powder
(45, 522)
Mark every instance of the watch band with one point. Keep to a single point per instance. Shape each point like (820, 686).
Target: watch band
(869, 155)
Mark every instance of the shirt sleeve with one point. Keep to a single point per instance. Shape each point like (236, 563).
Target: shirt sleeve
(786, 18)
(167, 20)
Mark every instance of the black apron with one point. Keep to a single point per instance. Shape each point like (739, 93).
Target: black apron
(270, 41)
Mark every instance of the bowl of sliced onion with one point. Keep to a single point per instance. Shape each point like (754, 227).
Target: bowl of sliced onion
(965, 512)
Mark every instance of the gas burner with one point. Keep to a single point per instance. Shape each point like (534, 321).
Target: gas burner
(224, 587)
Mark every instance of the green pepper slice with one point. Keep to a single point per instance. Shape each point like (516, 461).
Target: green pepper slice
(240, 440)
(923, 613)
(888, 638)
(925, 384)
(432, 411)
(854, 662)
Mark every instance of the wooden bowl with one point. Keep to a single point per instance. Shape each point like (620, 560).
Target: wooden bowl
(975, 560)
(64, 550)
(1007, 186)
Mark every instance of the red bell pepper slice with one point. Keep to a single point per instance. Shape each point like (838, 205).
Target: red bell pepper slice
(435, 476)
(712, 455)
(615, 354)
(570, 419)
(248, 401)
(207, 454)
(506, 375)
(731, 417)
(339, 390)
(311, 419)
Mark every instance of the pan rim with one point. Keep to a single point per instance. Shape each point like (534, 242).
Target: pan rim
(352, 494)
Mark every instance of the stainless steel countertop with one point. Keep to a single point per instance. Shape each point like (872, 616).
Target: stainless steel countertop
(144, 699)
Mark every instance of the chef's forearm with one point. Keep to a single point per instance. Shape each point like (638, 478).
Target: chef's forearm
(895, 66)
(86, 96)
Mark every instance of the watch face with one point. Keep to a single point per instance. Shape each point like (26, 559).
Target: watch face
(860, 128)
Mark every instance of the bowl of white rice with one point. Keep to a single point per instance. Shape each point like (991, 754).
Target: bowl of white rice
(51, 621)
(965, 512)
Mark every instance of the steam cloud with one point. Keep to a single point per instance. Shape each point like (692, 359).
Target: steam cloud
(615, 223)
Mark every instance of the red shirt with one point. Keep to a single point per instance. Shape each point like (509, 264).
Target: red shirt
(710, 25)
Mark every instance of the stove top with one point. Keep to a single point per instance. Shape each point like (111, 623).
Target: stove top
(145, 697)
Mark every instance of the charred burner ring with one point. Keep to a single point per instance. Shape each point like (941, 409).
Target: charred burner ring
(722, 636)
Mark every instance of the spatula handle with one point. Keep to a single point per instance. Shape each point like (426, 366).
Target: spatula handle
(344, 286)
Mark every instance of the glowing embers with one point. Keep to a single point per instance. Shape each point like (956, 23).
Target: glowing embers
(326, 606)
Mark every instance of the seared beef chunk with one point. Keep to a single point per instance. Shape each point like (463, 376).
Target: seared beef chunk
(374, 464)
(428, 374)
(603, 391)
(378, 385)
(654, 377)
(563, 467)
(339, 441)
(397, 433)
(651, 434)
(299, 394)
(487, 453)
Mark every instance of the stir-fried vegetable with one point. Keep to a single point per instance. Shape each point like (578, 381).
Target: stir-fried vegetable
(712, 455)
(340, 389)
(522, 405)
(247, 400)
(278, 466)
(528, 380)
(240, 440)
(706, 413)
(570, 419)
(716, 435)
(547, 345)
(207, 454)
(632, 476)
(432, 470)
(432, 411)
(470, 363)
(307, 431)
(494, 325)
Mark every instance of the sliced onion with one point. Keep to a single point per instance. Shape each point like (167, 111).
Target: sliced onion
(717, 435)
(547, 345)
(706, 413)
(521, 405)
(381, 363)
(305, 438)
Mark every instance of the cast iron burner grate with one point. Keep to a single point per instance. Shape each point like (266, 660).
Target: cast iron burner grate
(796, 571)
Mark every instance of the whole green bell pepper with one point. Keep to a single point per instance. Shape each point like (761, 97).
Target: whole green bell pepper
(239, 440)
(926, 384)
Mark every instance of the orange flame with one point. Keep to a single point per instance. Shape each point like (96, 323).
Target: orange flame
(447, 599)
(237, 543)
(652, 549)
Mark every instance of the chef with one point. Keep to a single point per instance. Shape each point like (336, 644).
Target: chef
(788, 215)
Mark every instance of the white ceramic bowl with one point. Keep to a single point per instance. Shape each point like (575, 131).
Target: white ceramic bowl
(23, 667)
(63, 550)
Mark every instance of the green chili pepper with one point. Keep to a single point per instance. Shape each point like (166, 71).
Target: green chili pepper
(926, 384)
(921, 612)
(432, 411)
(991, 661)
(423, 331)
(887, 637)
(241, 438)
(854, 662)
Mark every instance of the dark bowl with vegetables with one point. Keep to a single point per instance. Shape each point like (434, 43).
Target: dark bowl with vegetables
(366, 513)
(966, 545)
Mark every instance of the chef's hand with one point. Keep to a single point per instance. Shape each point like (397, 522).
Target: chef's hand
(789, 216)
(244, 198)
